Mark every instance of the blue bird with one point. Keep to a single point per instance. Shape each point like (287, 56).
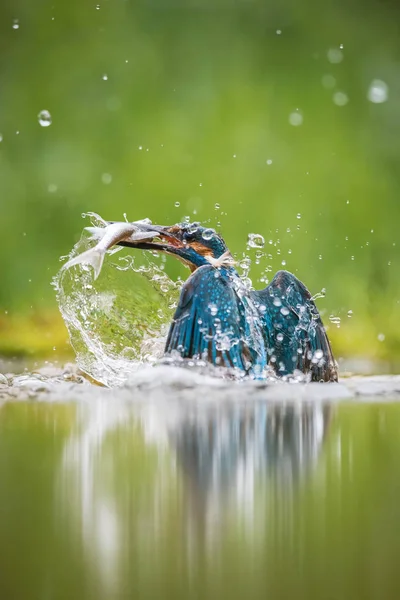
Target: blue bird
(219, 320)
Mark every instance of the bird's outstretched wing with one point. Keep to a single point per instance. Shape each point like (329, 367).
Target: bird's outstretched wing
(295, 335)
(211, 322)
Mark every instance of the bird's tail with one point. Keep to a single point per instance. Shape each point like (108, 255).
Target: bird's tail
(92, 257)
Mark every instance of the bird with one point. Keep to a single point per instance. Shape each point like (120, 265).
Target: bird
(222, 321)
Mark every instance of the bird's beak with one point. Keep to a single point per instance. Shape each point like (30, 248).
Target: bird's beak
(155, 237)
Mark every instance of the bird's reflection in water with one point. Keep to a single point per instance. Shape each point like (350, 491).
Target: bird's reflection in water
(228, 453)
(218, 465)
(215, 447)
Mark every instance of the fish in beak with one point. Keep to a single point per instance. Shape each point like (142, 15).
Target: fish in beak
(138, 234)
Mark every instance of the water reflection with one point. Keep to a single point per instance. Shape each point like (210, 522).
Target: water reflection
(111, 499)
(222, 449)
(137, 475)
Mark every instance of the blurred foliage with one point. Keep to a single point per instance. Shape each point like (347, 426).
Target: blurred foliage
(156, 102)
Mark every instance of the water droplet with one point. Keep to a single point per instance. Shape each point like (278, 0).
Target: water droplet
(140, 147)
(328, 81)
(320, 294)
(277, 301)
(285, 311)
(104, 77)
(44, 118)
(378, 91)
(295, 118)
(320, 257)
(278, 31)
(372, 231)
(352, 257)
(245, 263)
(234, 156)
(200, 185)
(381, 337)
(15, 24)
(289, 251)
(283, 263)
(1, 137)
(269, 162)
(213, 309)
(279, 337)
(106, 178)
(255, 240)
(193, 229)
(335, 320)
(349, 313)
(97, 6)
(318, 354)
(208, 234)
(340, 98)
(177, 204)
(217, 206)
(335, 55)
(298, 216)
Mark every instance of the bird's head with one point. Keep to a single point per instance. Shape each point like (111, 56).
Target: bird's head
(193, 244)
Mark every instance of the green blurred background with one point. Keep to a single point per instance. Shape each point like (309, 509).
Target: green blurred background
(267, 110)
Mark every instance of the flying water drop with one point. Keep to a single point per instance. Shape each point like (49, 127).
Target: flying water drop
(328, 81)
(208, 234)
(335, 320)
(106, 178)
(378, 91)
(295, 118)
(255, 240)
(335, 55)
(44, 118)
(340, 98)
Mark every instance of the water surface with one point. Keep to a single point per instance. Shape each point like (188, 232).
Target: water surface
(115, 497)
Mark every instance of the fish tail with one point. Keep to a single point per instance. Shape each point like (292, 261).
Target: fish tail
(92, 257)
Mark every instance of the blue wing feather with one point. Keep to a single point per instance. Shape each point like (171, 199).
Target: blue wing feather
(215, 321)
(294, 332)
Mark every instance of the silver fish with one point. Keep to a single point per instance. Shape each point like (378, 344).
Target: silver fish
(109, 236)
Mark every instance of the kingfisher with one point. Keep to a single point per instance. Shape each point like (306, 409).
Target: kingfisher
(220, 320)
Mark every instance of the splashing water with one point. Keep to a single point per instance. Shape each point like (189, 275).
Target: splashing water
(118, 322)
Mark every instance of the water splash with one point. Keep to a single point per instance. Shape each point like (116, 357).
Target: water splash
(119, 321)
